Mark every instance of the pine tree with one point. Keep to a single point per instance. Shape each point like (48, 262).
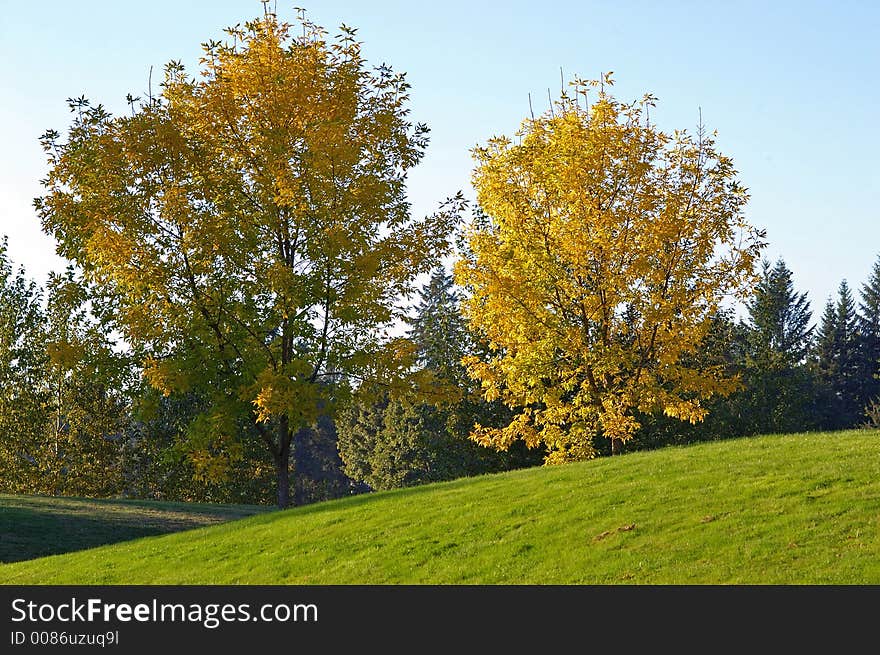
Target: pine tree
(869, 327)
(826, 340)
(837, 354)
(779, 318)
(826, 366)
(849, 340)
(438, 329)
(397, 441)
(778, 390)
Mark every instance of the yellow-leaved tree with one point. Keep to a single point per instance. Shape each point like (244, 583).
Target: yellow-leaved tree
(251, 225)
(600, 249)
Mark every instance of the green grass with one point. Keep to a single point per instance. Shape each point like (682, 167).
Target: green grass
(794, 509)
(36, 526)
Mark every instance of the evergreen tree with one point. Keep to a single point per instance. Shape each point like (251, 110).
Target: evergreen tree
(359, 429)
(779, 319)
(438, 329)
(837, 359)
(869, 327)
(826, 339)
(394, 441)
(778, 393)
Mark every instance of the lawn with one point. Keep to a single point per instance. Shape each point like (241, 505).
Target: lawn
(793, 509)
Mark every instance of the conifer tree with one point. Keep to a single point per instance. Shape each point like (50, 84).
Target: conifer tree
(779, 318)
(826, 339)
(778, 390)
(438, 329)
(869, 327)
(402, 440)
(837, 355)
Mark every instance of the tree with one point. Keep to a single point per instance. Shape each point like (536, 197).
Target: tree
(609, 246)
(826, 364)
(23, 396)
(421, 436)
(160, 463)
(319, 468)
(779, 319)
(438, 330)
(252, 229)
(725, 345)
(87, 381)
(779, 389)
(390, 442)
(63, 406)
(837, 359)
(869, 328)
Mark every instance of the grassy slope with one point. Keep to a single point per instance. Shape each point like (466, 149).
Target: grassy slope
(36, 526)
(796, 509)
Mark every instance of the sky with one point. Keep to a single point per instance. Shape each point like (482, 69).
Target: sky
(790, 87)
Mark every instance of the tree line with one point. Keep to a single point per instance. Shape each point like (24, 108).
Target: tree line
(796, 374)
(244, 316)
(77, 419)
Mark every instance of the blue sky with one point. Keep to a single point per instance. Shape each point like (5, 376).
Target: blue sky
(791, 88)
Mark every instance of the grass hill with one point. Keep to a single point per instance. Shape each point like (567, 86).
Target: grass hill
(793, 509)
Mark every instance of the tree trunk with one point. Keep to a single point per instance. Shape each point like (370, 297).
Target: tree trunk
(283, 474)
(616, 446)
(282, 463)
(299, 472)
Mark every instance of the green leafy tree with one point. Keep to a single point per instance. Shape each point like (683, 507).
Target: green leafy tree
(320, 471)
(160, 464)
(252, 227)
(63, 390)
(24, 397)
(88, 383)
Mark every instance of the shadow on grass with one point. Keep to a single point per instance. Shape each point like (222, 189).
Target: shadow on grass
(38, 526)
(32, 527)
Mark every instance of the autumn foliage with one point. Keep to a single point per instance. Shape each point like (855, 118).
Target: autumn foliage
(245, 231)
(251, 225)
(602, 248)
